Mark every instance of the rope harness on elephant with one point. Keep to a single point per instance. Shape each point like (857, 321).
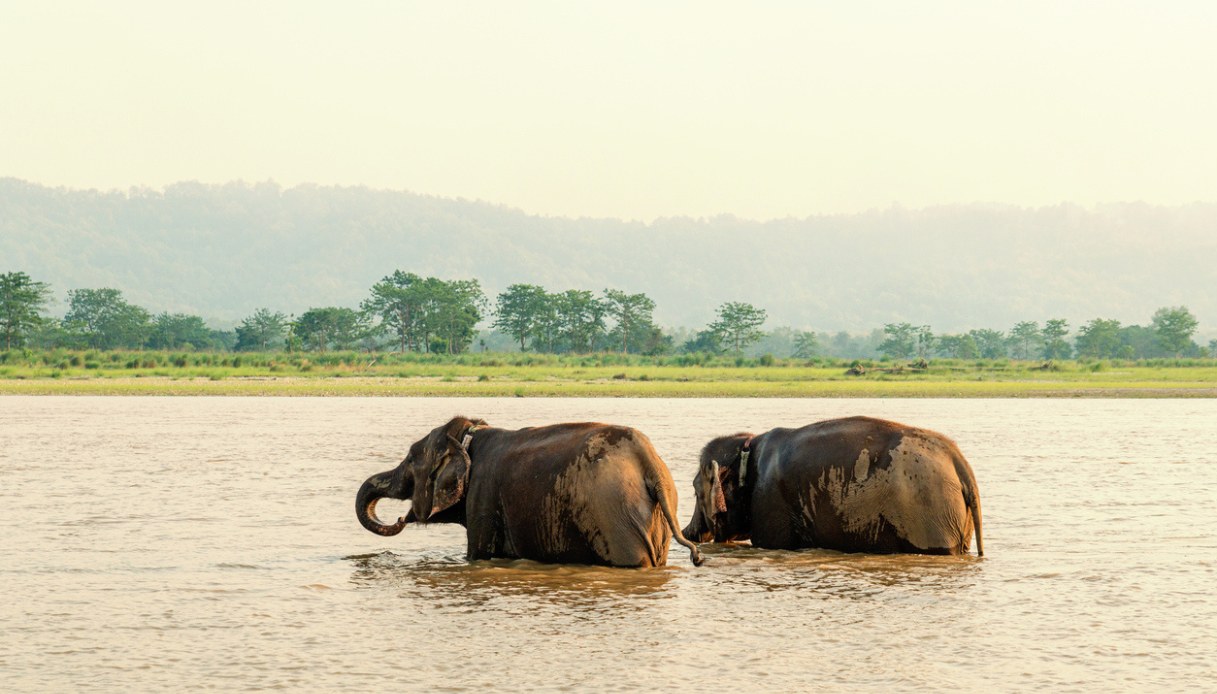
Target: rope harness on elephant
(468, 437)
(745, 452)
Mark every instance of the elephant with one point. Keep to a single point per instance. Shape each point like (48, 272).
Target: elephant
(579, 493)
(855, 484)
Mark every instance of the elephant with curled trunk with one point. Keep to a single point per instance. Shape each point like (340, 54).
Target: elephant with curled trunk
(565, 493)
(855, 485)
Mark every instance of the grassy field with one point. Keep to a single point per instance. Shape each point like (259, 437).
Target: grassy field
(597, 375)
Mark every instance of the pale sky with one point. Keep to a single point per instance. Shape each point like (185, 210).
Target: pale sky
(633, 110)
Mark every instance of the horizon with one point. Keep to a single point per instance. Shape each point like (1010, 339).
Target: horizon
(132, 190)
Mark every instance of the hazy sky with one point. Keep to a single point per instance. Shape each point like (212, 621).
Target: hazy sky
(623, 109)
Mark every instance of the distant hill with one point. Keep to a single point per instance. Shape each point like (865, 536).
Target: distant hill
(220, 251)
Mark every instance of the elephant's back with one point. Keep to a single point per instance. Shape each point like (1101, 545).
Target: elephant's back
(875, 485)
(584, 501)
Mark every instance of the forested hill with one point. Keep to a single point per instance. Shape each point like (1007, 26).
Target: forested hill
(220, 251)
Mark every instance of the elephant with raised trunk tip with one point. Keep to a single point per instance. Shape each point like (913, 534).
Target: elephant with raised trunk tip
(566, 493)
(855, 485)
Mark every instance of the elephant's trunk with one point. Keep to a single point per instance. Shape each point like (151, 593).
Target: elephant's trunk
(373, 490)
(689, 533)
(698, 530)
(695, 533)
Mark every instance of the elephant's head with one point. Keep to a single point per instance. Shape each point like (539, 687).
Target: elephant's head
(434, 475)
(721, 512)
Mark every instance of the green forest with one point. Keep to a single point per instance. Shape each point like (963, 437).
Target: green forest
(407, 313)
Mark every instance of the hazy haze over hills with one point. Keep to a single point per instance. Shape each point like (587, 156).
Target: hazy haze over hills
(223, 250)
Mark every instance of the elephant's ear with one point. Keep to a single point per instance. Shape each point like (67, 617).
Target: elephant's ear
(452, 478)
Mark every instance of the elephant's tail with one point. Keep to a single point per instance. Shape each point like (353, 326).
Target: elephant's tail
(971, 497)
(974, 506)
(669, 515)
(662, 490)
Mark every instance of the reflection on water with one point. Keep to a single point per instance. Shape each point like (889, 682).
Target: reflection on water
(834, 574)
(211, 543)
(454, 582)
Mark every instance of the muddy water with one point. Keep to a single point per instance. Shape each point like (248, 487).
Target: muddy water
(156, 543)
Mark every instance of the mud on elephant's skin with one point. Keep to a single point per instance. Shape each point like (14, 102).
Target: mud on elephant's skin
(856, 484)
(567, 493)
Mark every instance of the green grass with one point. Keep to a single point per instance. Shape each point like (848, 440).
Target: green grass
(597, 375)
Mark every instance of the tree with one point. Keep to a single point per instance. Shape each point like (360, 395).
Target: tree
(925, 341)
(261, 330)
(958, 346)
(1055, 346)
(704, 341)
(991, 343)
(427, 314)
(548, 325)
(454, 309)
(1213, 348)
(22, 301)
(901, 341)
(519, 311)
(631, 311)
(177, 331)
(331, 327)
(102, 319)
(655, 342)
(580, 318)
(1025, 337)
(1139, 342)
(397, 299)
(1175, 327)
(738, 324)
(222, 340)
(806, 345)
(1098, 339)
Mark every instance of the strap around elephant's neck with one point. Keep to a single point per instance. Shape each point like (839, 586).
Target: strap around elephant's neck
(745, 452)
(468, 437)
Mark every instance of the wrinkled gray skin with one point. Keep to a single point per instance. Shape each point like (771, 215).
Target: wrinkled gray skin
(855, 485)
(566, 493)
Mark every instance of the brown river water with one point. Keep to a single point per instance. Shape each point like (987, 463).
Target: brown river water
(149, 544)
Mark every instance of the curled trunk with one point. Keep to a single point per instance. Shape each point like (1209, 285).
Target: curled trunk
(377, 487)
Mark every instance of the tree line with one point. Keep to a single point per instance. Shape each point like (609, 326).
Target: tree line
(406, 312)
(1168, 335)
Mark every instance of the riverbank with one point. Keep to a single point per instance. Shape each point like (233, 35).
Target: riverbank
(440, 387)
(596, 375)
